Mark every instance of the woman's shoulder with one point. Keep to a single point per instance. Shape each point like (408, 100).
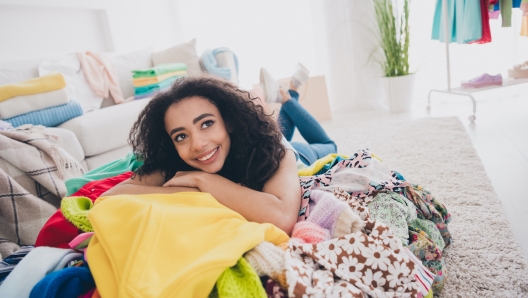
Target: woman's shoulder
(289, 147)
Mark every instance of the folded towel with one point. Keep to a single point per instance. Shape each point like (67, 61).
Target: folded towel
(23, 104)
(140, 82)
(211, 65)
(158, 70)
(150, 94)
(49, 117)
(53, 81)
(155, 87)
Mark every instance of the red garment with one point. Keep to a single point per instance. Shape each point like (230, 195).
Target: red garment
(486, 32)
(58, 232)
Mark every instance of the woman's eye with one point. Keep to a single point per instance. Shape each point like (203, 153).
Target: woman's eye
(180, 138)
(207, 123)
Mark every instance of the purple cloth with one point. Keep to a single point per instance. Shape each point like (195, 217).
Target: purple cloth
(5, 125)
(325, 209)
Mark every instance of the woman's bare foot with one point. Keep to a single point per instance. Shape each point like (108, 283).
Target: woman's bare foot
(285, 94)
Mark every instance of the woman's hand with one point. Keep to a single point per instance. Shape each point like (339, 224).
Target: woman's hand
(185, 179)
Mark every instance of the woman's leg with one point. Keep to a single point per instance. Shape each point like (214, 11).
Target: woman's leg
(294, 115)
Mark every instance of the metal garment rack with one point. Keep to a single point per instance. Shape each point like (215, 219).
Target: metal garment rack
(467, 92)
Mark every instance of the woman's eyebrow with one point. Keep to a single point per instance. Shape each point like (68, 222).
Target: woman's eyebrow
(201, 117)
(175, 130)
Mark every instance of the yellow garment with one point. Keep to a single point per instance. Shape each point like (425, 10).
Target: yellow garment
(524, 26)
(321, 162)
(142, 243)
(53, 81)
(140, 82)
(318, 165)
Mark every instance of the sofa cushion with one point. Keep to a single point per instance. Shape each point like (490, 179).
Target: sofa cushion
(107, 157)
(106, 129)
(68, 141)
(182, 53)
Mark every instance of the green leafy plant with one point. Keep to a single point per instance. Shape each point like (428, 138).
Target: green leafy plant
(394, 36)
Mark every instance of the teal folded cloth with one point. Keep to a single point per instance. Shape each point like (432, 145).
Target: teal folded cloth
(158, 70)
(49, 117)
(128, 163)
(138, 91)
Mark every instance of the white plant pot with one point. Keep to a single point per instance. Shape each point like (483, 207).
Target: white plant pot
(399, 92)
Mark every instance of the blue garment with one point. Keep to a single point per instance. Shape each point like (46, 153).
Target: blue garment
(210, 64)
(69, 282)
(464, 18)
(318, 145)
(49, 117)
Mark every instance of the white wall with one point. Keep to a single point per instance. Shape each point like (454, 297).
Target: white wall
(36, 29)
(274, 34)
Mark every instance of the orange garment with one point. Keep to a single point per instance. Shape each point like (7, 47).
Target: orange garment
(101, 75)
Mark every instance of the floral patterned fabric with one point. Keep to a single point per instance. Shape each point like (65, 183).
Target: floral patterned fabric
(429, 208)
(371, 262)
(370, 176)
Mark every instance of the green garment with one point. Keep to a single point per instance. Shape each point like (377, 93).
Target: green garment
(239, 281)
(506, 7)
(395, 211)
(75, 210)
(399, 214)
(128, 163)
(158, 70)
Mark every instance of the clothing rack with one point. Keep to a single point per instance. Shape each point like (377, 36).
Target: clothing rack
(467, 92)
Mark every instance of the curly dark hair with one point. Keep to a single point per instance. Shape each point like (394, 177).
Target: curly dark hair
(256, 149)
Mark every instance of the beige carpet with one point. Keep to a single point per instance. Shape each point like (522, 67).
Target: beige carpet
(485, 260)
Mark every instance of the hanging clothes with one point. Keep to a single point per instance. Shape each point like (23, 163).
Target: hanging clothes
(485, 16)
(505, 7)
(464, 19)
(524, 24)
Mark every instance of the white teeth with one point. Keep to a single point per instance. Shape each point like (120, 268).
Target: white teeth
(208, 155)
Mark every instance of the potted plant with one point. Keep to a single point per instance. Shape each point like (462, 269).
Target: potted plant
(392, 18)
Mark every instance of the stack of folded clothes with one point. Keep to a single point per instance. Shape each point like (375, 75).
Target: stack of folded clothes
(149, 82)
(39, 101)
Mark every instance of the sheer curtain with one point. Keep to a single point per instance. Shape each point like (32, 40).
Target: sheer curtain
(347, 50)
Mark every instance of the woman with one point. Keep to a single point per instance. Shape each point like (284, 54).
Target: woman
(205, 134)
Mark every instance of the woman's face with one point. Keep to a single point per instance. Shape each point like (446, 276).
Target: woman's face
(198, 133)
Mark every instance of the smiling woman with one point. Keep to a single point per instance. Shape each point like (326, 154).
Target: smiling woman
(205, 134)
(201, 141)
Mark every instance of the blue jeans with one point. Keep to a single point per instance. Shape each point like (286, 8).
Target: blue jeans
(318, 145)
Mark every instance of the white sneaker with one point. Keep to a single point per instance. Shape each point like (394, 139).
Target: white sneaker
(301, 75)
(270, 86)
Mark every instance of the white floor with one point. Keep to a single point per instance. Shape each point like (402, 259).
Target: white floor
(499, 134)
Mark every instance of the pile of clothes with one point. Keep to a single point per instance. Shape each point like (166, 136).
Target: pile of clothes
(149, 82)
(363, 229)
(42, 100)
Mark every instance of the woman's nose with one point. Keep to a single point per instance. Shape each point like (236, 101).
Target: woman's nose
(198, 144)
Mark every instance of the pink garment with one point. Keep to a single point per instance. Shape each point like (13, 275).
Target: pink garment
(524, 8)
(101, 75)
(81, 243)
(493, 15)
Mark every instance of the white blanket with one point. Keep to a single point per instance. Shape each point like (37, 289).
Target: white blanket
(20, 105)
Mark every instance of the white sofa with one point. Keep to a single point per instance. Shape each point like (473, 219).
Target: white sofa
(100, 136)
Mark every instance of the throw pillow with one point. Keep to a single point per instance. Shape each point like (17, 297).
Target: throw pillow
(182, 53)
(124, 64)
(76, 84)
(18, 71)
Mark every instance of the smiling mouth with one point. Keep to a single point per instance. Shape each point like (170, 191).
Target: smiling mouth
(208, 156)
